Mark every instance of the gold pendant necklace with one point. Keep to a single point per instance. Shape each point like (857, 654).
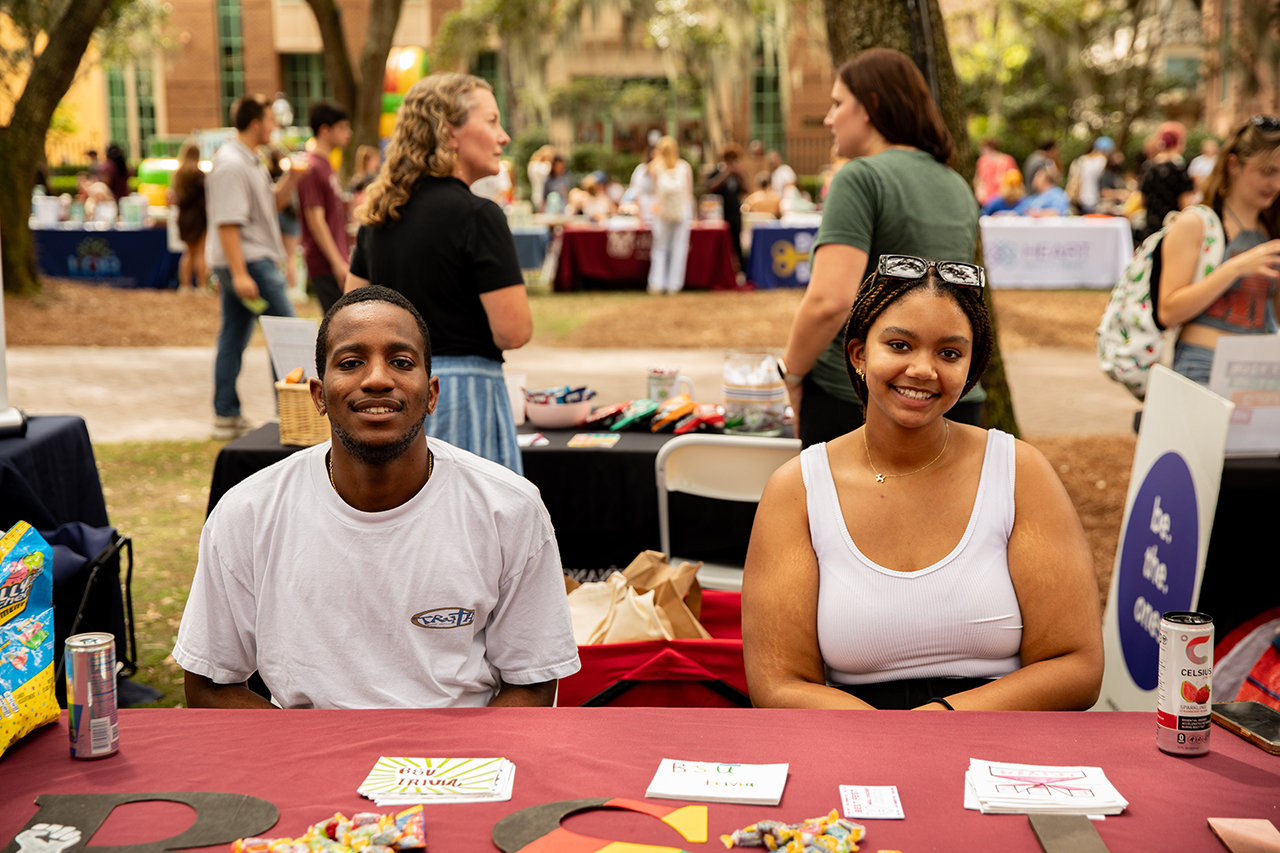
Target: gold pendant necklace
(328, 464)
(880, 478)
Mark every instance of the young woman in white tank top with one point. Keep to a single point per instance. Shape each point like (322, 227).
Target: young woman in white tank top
(916, 562)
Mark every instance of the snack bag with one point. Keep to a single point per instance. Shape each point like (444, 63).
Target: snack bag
(27, 699)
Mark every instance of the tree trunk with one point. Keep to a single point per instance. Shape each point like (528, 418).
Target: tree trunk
(855, 26)
(361, 96)
(366, 110)
(337, 61)
(16, 183)
(22, 140)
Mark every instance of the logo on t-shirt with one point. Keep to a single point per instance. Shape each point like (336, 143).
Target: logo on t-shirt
(444, 617)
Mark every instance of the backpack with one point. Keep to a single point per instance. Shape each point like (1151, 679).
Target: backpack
(1129, 338)
(671, 197)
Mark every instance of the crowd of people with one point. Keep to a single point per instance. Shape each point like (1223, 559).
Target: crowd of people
(664, 193)
(1099, 181)
(422, 469)
(957, 546)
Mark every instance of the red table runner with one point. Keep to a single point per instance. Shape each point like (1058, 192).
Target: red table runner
(592, 257)
(309, 763)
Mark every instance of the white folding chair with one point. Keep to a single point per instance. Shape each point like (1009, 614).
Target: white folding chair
(727, 467)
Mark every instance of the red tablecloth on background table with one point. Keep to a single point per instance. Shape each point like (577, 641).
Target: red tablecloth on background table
(309, 764)
(593, 258)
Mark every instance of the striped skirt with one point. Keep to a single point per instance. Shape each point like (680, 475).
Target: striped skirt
(474, 411)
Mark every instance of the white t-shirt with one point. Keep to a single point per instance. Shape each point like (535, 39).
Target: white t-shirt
(423, 606)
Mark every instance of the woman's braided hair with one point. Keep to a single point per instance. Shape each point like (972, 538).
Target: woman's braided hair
(878, 292)
(420, 142)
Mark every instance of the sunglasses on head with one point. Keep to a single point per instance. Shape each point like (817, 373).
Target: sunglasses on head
(1265, 123)
(953, 272)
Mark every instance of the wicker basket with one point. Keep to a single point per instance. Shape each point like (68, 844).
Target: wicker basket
(300, 424)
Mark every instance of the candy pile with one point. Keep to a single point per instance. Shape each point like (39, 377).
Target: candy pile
(680, 415)
(831, 833)
(367, 832)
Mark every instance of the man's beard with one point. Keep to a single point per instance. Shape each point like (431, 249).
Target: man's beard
(377, 454)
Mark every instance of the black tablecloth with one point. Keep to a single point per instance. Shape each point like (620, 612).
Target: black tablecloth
(603, 501)
(48, 477)
(604, 504)
(1239, 571)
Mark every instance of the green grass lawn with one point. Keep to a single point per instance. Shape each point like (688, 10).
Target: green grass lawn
(156, 494)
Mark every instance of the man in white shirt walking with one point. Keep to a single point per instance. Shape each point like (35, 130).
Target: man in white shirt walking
(244, 250)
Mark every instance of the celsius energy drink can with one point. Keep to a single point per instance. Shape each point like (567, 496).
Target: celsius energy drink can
(91, 695)
(1182, 695)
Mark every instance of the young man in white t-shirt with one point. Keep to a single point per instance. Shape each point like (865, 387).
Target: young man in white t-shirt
(383, 568)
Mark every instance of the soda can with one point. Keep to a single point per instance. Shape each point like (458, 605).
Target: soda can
(91, 695)
(1182, 693)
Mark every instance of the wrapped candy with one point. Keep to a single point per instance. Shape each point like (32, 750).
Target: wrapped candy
(606, 415)
(707, 416)
(831, 833)
(367, 832)
(561, 394)
(671, 411)
(639, 411)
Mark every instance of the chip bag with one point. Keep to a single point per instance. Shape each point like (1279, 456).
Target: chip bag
(27, 699)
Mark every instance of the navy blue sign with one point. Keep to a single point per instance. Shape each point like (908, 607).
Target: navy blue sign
(122, 258)
(1157, 563)
(780, 256)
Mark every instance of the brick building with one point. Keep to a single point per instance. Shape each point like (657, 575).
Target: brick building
(228, 47)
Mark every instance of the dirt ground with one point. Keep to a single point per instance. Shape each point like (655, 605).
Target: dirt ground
(1094, 469)
(70, 314)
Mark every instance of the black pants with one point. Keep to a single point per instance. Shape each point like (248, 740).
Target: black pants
(824, 417)
(911, 692)
(327, 289)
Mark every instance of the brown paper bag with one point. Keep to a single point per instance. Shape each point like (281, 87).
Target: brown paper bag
(677, 595)
(651, 600)
(614, 612)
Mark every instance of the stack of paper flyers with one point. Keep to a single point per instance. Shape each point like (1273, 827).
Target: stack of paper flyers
(751, 784)
(399, 781)
(993, 787)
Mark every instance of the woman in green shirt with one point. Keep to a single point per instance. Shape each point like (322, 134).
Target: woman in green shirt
(897, 195)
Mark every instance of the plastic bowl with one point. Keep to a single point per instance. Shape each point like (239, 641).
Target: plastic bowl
(557, 415)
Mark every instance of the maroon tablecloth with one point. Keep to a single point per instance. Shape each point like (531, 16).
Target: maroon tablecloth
(309, 763)
(596, 259)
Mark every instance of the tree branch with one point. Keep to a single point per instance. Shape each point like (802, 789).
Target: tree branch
(53, 71)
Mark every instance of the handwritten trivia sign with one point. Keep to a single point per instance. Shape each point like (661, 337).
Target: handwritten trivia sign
(758, 784)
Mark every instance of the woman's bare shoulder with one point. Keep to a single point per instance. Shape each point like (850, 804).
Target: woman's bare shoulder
(1032, 460)
(1187, 226)
(1037, 483)
(788, 480)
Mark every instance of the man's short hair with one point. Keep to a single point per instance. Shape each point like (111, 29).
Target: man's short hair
(248, 109)
(372, 293)
(326, 113)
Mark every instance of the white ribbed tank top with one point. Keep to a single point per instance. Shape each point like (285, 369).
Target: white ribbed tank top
(958, 617)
